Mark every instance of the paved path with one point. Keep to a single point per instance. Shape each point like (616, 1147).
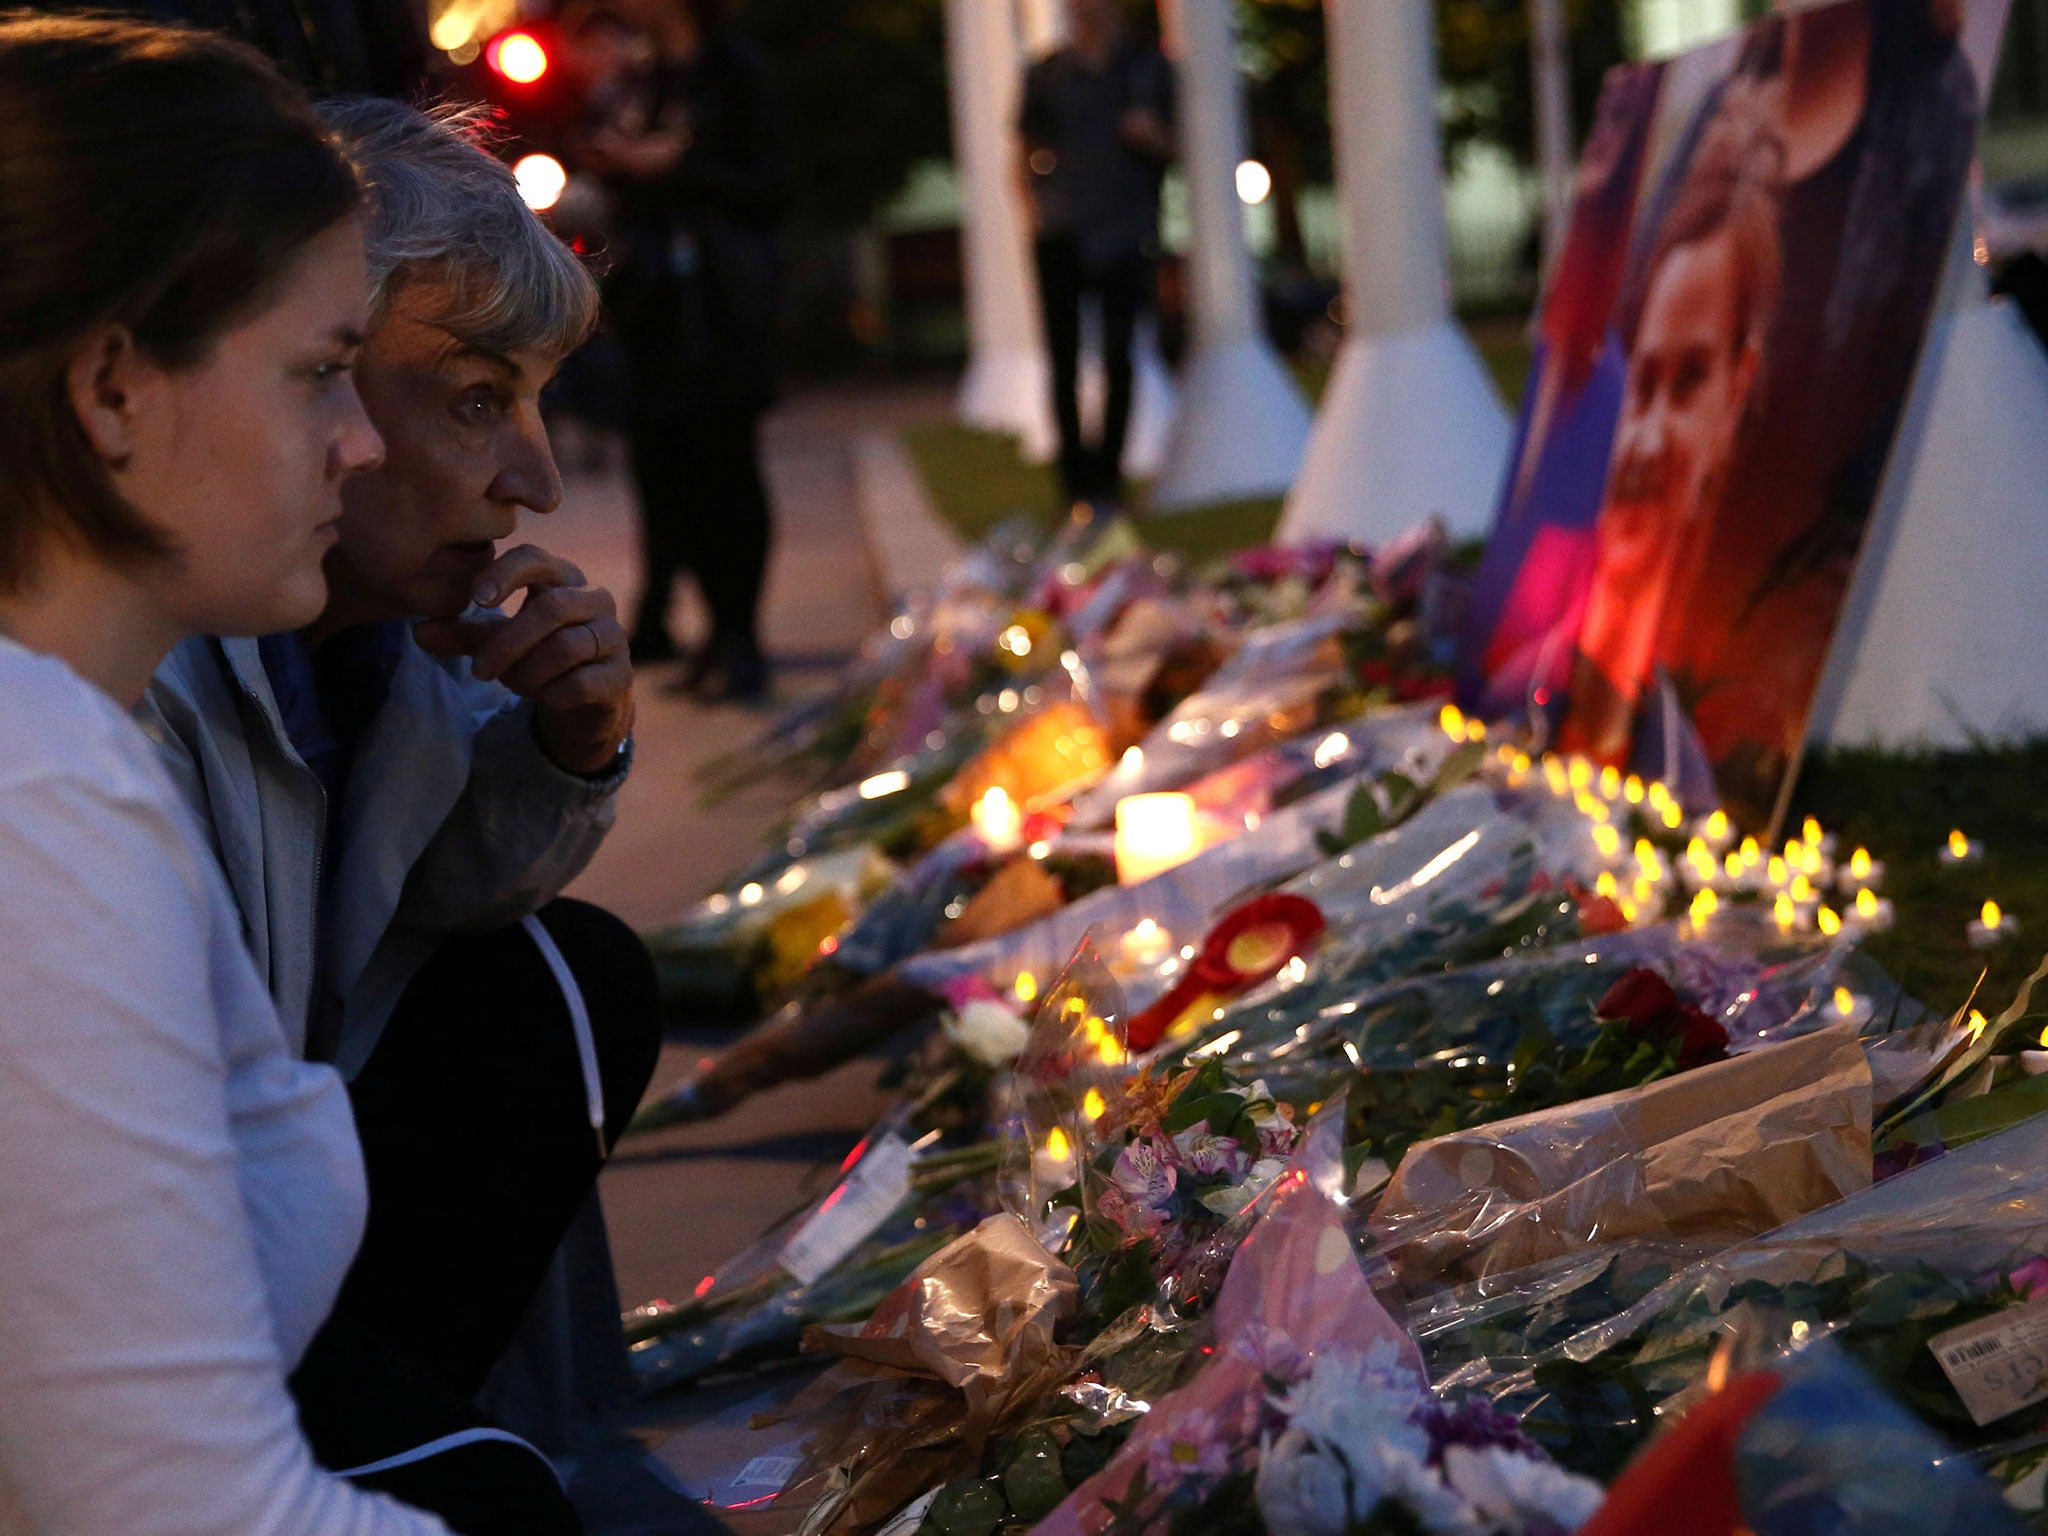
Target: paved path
(680, 1203)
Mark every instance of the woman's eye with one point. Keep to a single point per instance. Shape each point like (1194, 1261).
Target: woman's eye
(478, 405)
(328, 373)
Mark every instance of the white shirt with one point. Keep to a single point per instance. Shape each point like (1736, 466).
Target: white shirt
(179, 1196)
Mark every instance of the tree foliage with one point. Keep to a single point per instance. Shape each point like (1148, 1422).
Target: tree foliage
(1482, 60)
(863, 88)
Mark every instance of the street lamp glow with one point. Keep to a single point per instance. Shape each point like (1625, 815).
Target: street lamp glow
(519, 57)
(541, 180)
(1254, 182)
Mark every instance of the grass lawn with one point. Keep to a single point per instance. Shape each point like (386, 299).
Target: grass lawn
(976, 479)
(1902, 809)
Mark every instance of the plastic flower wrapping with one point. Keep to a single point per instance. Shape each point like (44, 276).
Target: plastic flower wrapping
(1596, 1348)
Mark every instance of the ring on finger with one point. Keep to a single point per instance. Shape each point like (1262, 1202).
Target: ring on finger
(596, 645)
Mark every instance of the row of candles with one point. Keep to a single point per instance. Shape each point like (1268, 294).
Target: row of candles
(1718, 862)
(1804, 885)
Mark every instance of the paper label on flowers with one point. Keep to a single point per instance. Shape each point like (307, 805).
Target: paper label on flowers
(878, 1184)
(1998, 1365)
(771, 1472)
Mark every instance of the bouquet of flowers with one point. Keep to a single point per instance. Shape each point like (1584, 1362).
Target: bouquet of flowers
(899, 1197)
(1308, 1414)
(1593, 1349)
(1752, 981)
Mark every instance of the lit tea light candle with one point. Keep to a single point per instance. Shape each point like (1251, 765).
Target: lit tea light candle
(1701, 867)
(1990, 926)
(1147, 944)
(1715, 830)
(1847, 1007)
(1704, 905)
(1153, 834)
(1961, 849)
(1861, 870)
(1868, 913)
(1053, 1164)
(1815, 838)
(998, 820)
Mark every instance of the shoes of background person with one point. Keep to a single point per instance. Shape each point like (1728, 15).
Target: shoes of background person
(729, 670)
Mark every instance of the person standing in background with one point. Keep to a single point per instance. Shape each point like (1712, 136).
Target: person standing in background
(695, 175)
(1096, 136)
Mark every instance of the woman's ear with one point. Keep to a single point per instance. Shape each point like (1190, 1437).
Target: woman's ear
(103, 382)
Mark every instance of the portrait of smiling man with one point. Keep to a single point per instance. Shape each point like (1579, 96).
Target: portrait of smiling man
(399, 792)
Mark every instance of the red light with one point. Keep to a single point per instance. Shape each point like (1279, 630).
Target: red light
(518, 56)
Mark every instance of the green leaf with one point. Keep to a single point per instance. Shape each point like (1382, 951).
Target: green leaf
(971, 1507)
(1033, 1482)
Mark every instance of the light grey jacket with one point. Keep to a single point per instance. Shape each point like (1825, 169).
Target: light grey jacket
(454, 822)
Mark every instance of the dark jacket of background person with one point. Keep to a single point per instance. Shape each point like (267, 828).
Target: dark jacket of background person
(696, 284)
(1089, 184)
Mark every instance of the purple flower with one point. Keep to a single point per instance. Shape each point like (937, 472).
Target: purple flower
(1145, 1171)
(1475, 1423)
(1201, 1151)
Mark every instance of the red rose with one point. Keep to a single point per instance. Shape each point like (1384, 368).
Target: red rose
(1701, 1039)
(1639, 997)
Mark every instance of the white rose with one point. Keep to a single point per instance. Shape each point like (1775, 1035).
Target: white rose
(987, 1031)
(1301, 1491)
(1509, 1489)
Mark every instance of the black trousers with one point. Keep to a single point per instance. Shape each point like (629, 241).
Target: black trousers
(1123, 289)
(704, 509)
(479, 1150)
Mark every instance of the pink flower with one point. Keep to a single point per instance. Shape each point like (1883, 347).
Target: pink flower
(1196, 1446)
(2031, 1278)
(1131, 1217)
(1139, 1195)
(1202, 1151)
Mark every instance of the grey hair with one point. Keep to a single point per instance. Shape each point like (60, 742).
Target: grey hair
(441, 201)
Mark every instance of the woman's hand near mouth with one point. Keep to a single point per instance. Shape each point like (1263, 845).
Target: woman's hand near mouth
(564, 649)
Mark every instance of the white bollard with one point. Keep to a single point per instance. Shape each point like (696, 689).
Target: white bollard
(1411, 425)
(1939, 642)
(1006, 386)
(1241, 422)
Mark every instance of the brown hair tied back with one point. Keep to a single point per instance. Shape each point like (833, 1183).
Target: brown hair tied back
(1733, 188)
(156, 178)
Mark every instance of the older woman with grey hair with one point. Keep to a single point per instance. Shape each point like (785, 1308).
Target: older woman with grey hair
(398, 793)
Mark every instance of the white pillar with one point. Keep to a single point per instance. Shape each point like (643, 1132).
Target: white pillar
(1241, 421)
(1045, 26)
(1551, 85)
(1939, 641)
(1005, 388)
(1411, 425)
